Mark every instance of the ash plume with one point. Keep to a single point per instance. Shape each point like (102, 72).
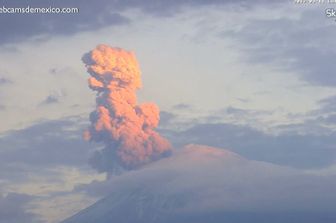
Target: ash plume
(126, 128)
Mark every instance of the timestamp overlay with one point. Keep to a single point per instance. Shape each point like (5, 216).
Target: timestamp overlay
(328, 7)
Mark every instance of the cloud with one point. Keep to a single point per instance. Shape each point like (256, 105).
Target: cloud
(92, 16)
(43, 160)
(13, 209)
(182, 106)
(169, 8)
(244, 113)
(304, 140)
(59, 71)
(53, 98)
(4, 81)
(166, 117)
(126, 128)
(326, 113)
(329, 119)
(328, 104)
(43, 146)
(289, 147)
(290, 44)
(204, 184)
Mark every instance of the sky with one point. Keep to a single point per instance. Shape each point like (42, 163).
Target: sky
(254, 77)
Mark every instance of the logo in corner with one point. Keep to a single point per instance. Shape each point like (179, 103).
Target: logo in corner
(330, 13)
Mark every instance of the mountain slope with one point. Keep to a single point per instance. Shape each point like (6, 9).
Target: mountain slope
(209, 185)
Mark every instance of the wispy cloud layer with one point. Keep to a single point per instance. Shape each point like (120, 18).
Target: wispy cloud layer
(300, 41)
(13, 210)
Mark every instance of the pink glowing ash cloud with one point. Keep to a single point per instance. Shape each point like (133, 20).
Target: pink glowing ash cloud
(126, 128)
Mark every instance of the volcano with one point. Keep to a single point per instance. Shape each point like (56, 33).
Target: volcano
(202, 184)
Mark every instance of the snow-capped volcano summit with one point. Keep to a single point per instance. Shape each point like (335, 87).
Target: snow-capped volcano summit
(207, 185)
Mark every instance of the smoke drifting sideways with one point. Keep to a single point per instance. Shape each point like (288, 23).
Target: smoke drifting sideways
(126, 129)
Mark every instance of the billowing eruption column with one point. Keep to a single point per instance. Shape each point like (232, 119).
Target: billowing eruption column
(126, 128)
